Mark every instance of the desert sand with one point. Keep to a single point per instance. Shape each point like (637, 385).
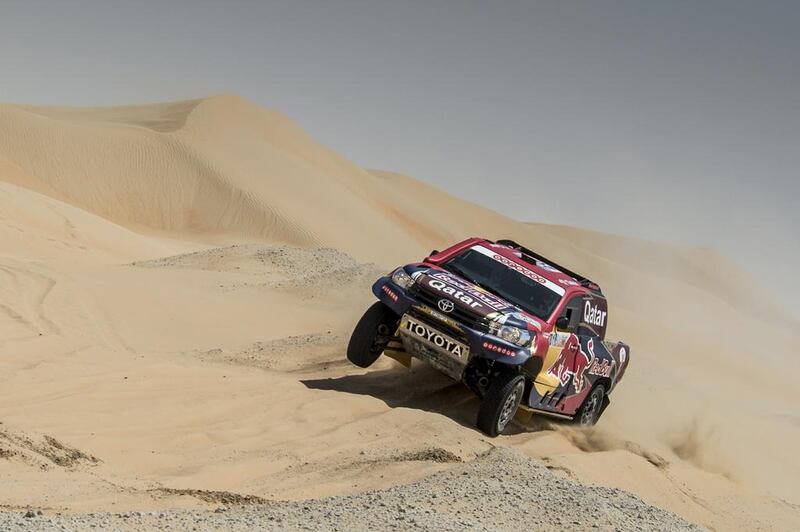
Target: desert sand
(178, 283)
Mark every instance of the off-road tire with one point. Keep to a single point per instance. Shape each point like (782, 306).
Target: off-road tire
(589, 412)
(371, 335)
(500, 404)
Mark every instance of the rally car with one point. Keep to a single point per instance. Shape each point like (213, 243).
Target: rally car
(517, 329)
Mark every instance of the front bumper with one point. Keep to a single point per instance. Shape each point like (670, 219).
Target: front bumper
(440, 350)
(478, 343)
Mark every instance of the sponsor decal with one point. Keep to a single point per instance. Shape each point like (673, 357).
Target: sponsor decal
(445, 305)
(520, 269)
(438, 315)
(564, 371)
(464, 292)
(601, 368)
(581, 363)
(593, 315)
(389, 292)
(435, 338)
(558, 339)
(498, 349)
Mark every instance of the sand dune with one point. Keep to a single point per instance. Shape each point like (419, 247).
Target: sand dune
(177, 283)
(210, 167)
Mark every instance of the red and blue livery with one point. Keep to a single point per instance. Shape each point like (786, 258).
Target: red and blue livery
(517, 329)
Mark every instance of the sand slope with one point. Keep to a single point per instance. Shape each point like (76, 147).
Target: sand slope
(166, 306)
(209, 167)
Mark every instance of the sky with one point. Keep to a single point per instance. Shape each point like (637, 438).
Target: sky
(675, 121)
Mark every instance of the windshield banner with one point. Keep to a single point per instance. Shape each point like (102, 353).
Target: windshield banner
(530, 274)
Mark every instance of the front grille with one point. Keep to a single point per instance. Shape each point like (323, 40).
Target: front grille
(457, 314)
(444, 363)
(434, 345)
(427, 319)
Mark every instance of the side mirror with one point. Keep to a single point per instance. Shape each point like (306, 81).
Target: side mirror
(562, 323)
(434, 252)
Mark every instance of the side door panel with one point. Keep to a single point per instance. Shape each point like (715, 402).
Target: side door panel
(556, 379)
(575, 360)
(593, 362)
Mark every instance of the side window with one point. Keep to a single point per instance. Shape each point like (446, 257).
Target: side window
(573, 312)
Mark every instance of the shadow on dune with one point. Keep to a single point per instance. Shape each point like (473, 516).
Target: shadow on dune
(421, 388)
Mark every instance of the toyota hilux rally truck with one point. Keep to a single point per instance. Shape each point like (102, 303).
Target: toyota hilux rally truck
(516, 328)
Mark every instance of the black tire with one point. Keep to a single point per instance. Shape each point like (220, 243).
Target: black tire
(589, 412)
(371, 335)
(501, 402)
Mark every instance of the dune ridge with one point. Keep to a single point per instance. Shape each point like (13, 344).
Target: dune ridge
(177, 283)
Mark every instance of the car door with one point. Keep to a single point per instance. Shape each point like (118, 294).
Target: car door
(558, 368)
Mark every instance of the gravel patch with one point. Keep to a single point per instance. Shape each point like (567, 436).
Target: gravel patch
(501, 490)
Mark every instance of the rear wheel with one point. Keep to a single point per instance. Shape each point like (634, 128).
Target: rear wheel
(592, 406)
(501, 402)
(372, 334)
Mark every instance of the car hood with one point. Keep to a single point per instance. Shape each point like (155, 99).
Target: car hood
(436, 286)
(439, 285)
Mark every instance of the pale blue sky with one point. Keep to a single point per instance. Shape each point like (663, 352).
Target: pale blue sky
(675, 120)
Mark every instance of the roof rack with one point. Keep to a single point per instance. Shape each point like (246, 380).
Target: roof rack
(584, 281)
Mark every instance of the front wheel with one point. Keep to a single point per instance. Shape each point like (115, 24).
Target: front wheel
(371, 335)
(590, 410)
(501, 402)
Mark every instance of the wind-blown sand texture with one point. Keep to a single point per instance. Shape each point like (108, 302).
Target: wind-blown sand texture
(178, 283)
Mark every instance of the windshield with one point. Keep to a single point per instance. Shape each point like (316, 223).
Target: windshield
(529, 295)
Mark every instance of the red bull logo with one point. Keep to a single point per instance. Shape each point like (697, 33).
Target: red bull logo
(572, 364)
(601, 368)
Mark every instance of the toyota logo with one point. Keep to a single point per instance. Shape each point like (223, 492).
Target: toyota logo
(445, 305)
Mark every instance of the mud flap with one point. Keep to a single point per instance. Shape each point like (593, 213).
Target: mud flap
(396, 351)
(403, 358)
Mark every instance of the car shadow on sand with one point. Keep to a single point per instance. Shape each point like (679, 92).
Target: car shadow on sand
(421, 388)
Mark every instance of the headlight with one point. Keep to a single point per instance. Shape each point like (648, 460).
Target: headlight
(402, 279)
(514, 335)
